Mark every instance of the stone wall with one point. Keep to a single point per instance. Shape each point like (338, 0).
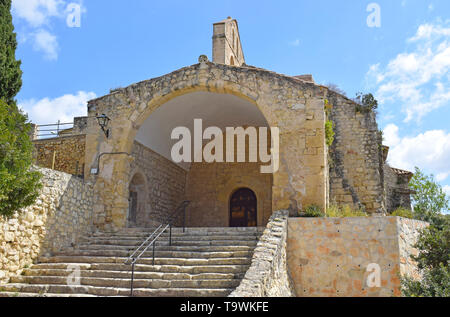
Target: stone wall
(209, 187)
(68, 154)
(331, 257)
(396, 186)
(61, 215)
(355, 158)
(408, 232)
(164, 185)
(268, 275)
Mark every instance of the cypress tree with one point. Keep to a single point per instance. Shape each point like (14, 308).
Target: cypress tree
(19, 185)
(10, 73)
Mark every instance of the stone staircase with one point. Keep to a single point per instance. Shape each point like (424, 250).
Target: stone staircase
(200, 262)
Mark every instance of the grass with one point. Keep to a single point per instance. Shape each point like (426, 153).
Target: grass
(333, 211)
(402, 212)
(345, 211)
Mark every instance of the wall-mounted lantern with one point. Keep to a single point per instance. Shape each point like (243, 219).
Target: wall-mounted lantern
(103, 122)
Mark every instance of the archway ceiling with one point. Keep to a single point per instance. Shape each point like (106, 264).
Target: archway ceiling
(219, 110)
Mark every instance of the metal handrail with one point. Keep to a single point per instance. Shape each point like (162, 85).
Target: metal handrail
(140, 246)
(168, 225)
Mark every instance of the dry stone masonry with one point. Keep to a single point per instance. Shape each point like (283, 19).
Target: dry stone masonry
(268, 275)
(59, 218)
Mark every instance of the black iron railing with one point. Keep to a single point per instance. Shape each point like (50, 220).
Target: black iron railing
(151, 240)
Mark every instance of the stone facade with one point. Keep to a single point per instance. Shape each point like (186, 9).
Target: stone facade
(163, 188)
(331, 257)
(65, 154)
(396, 186)
(356, 158)
(294, 106)
(268, 275)
(60, 217)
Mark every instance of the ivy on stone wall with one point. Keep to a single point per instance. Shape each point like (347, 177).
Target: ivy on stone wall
(329, 125)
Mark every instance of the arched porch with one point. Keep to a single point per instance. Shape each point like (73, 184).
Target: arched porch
(253, 96)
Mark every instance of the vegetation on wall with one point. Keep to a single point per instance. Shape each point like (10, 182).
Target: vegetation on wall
(402, 212)
(366, 103)
(329, 125)
(333, 211)
(18, 184)
(345, 211)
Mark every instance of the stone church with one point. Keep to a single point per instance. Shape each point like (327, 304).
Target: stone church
(137, 181)
(111, 179)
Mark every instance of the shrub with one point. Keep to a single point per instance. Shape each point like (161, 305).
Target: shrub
(402, 212)
(312, 211)
(345, 211)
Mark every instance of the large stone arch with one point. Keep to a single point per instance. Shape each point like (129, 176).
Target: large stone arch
(295, 107)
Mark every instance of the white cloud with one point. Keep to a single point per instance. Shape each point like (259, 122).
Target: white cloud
(447, 189)
(417, 79)
(38, 12)
(429, 151)
(37, 17)
(64, 108)
(47, 43)
(442, 177)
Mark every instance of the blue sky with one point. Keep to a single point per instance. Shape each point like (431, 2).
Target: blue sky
(405, 61)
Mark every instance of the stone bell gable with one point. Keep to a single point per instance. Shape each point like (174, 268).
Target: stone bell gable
(227, 46)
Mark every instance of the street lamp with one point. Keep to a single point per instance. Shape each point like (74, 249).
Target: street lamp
(103, 122)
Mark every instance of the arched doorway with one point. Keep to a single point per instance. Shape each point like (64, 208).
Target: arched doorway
(243, 208)
(136, 200)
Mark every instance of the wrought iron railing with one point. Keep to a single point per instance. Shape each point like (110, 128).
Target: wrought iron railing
(151, 240)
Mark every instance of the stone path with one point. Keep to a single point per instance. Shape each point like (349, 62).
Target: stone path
(200, 262)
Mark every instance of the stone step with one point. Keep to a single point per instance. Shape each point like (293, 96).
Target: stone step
(124, 283)
(110, 291)
(176, 238)
(179, 234)
(137, 274)
(158, 261)
(243, 248)
(212, 230)
(200, 262)
(198, 269)
(135, 243)
(24, 295)
(158, 254)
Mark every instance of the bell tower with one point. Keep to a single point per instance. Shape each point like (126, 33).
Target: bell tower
(227, 47)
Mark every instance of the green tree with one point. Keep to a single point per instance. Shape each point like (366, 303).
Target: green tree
(430, 203)
(429, 199)
(433, 262)
(367, 102)
(10, 73)
(18, 183)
